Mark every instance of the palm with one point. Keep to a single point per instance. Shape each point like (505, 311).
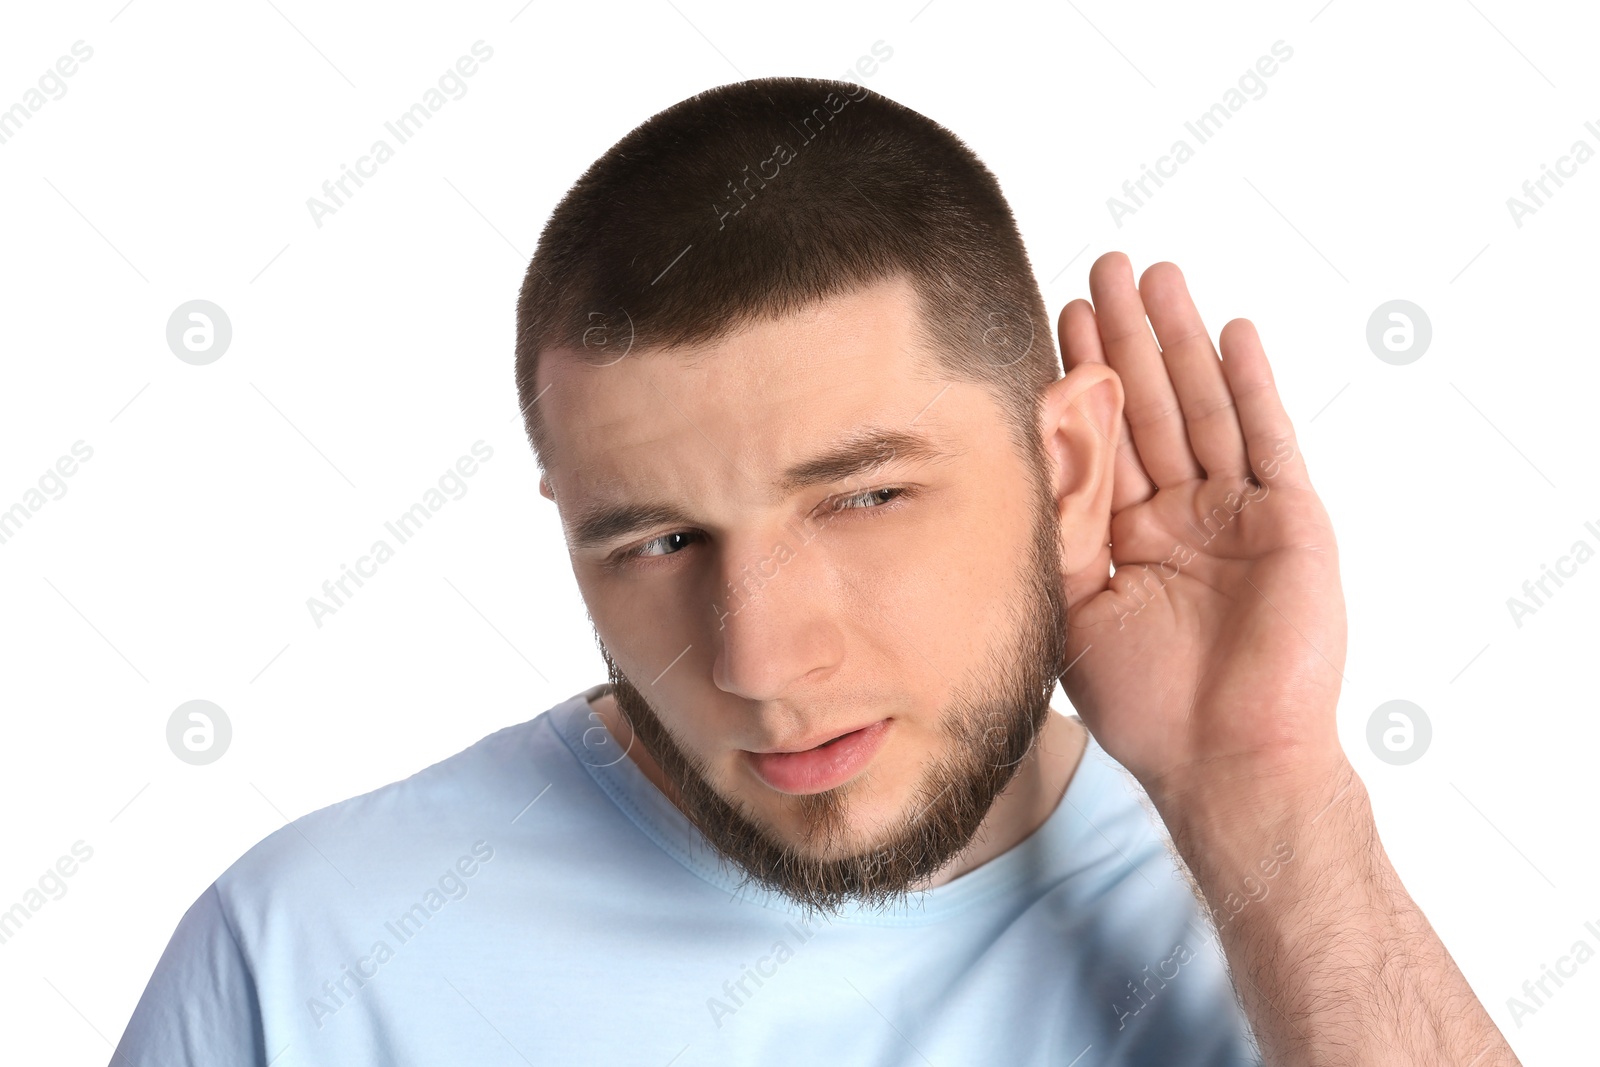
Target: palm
(1224, 609)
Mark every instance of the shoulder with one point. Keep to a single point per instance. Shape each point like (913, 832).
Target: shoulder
(311, 896)
(350, 850)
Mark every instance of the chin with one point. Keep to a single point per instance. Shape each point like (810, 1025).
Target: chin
(871, 807)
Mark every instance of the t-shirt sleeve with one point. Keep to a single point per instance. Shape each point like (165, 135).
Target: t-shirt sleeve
(200, 1007)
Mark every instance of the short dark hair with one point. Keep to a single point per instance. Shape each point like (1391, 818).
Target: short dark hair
(754, 199)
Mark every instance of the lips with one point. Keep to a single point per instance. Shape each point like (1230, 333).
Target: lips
(817, 742)
(826, 765)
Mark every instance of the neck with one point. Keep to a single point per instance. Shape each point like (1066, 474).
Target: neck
(1028, 800)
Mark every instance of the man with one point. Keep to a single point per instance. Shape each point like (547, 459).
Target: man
(841, 524)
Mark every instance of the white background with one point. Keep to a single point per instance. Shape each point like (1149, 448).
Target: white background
(368, 354)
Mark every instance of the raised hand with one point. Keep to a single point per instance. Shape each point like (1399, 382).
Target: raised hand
(1213, 653)
(1208, 663)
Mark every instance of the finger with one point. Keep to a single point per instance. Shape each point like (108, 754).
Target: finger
(1080, 343)
(1268, 434)
(1208, 411)
(1152, 405)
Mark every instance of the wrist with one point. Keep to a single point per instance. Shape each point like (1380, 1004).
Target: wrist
(1226, 822)
(1332, 959)
(1290, 869)
(1216, 793)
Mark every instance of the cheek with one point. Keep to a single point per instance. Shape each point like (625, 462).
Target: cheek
(937, 599)
(655, 651)
(651, 616)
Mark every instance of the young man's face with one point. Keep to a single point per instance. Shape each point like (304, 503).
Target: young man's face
(759, 586)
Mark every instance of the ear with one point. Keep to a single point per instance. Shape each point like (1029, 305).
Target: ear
(1081, 422)
(545, 490)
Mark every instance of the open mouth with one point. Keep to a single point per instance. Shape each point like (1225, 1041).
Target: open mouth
(828, 765)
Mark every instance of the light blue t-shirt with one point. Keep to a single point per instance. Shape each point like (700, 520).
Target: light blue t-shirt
(534, 899)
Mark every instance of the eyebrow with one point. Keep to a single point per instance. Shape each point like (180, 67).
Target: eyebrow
(859, 453)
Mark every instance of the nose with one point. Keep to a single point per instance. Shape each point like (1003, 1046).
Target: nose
(775, 618)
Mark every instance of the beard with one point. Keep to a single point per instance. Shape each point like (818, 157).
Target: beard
(989, 725)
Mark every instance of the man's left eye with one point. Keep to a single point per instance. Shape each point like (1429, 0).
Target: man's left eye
(870, 499)
(665, 545)
(671, 544)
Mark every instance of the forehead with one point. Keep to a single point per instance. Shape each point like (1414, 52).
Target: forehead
(754, 400)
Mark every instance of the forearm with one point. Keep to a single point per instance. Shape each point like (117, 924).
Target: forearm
(1332, 960)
